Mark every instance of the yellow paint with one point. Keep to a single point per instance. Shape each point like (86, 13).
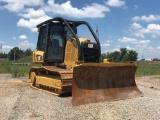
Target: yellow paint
(84, 39)
(33, 76)
(71, 54)
(107, 60)
(37, 56)
(50, 82)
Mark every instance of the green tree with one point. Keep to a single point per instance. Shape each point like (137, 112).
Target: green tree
(18, 53)
(3, 55)
(123, 52)
(132, 55)
(122, 55)
(115, 56)
(28, 52)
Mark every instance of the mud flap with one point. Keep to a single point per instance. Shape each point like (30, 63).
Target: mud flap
(103, 82)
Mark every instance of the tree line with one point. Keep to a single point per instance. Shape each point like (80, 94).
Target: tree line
(17, 52)
(122, 55)
(116, 56)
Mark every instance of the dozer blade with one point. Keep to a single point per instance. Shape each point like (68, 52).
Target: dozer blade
(94, 82)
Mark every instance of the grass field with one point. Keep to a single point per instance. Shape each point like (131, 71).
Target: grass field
(18, 70)
(145, 68)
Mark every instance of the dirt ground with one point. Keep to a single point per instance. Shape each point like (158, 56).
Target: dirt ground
(20, 102)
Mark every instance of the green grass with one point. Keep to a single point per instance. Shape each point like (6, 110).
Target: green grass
(146, 68)
(17, 70)
(5, 67)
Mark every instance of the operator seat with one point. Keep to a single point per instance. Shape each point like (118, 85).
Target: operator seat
(55, 43)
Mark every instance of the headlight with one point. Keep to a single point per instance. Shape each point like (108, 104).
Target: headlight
(39, 57)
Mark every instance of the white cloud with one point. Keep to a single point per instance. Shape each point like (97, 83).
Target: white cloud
(143, 42)
(18, 5)
(146, 50)
(152, 29)
(6, 48)
(145, 18)
(94, 10)
(153, 36)
(105, 45)
(158, 48)
(31, 23)
(129, 47)
(136, 26)
(25, 45)
(22, 37)
(117, 48)
(109, 41)
(109, 49)
(31, 13)
(136, 29)
(24, 2)
(32, 17)
(127, 40)
(133, 40)
(115, 3)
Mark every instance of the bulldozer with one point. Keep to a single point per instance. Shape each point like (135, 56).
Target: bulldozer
(70, 56)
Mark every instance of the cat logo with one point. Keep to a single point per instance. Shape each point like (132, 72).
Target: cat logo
(90, 45)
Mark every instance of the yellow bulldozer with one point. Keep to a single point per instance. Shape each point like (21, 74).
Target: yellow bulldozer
(69, 53)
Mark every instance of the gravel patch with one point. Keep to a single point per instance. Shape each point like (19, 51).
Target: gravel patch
(20, 102)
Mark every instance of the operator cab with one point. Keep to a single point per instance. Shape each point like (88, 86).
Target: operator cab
(54, 33)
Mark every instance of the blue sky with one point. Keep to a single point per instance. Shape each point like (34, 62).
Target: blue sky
(133, 24)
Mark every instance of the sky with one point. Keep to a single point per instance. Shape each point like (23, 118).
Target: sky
(131, 24)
